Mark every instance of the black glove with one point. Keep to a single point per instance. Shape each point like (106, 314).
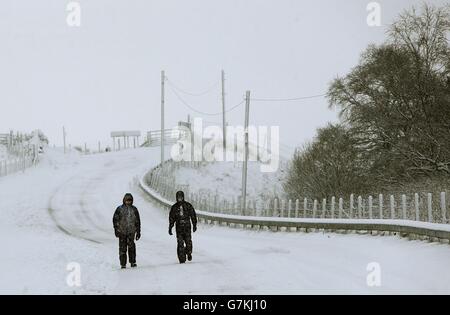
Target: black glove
(117, 233)
(170, 232)
(138, 236)
(194, 228)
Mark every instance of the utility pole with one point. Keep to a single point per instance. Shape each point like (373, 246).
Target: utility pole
(162, 116)
(10, 140)
(244, 168)
(223, 114)
(191, 137)
(64, 139)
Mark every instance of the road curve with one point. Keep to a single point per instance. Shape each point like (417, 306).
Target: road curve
(226, 260)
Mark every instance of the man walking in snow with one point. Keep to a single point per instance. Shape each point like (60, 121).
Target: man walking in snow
(181, 214)
(127, 227)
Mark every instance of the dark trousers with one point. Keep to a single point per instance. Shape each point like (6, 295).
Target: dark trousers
(126, 242)
(184, 237)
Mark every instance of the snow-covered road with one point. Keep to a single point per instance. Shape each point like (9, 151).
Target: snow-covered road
(61, 212)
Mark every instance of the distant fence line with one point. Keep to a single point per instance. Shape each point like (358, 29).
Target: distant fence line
(21, 155)
(14, 141)
(17, 164)
(423, 207)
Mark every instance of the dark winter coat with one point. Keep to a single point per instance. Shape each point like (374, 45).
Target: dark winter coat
(126, 219)
(181, 214)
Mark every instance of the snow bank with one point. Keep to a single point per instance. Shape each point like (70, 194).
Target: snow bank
(225, 179)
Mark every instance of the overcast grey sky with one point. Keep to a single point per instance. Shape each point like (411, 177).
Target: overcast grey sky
(105, 75)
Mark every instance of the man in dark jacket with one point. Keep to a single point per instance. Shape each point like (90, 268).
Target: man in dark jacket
(181, 214)
(127, 227)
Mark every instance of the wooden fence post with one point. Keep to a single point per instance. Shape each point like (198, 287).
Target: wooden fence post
(416, 206)
(314, 209)
(341, 207)
(380, 205)
(359, 207)
(333, 201)
(370, 207)
(324, 207)
(305, 207)
(404, 215)
(392, 207)
(351, 205)
(443, 208)
(430, 208)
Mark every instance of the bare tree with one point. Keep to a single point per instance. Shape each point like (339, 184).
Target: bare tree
(397, 100)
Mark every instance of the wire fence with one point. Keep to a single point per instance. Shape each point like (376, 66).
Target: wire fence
(16, 164)
(424, 206)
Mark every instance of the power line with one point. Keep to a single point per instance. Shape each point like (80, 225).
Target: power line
(288, 99)
(190, 93)
(201, 112)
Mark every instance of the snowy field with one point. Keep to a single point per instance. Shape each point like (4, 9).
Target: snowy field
(61, 212)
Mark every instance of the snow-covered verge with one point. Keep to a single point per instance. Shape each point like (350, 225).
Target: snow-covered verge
(61, 212)
(224, 179)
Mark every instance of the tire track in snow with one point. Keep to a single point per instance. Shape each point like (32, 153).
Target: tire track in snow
(52, 212)
(68, 206)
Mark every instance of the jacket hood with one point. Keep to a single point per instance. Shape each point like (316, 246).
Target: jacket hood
(180, 194)
(126, 197)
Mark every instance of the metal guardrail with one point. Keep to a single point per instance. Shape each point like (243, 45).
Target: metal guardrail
(170, 137)
(421, 207)
(403, 228)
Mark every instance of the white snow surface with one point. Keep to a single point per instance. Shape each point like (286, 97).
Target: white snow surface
(61, 211)
(225, 178)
